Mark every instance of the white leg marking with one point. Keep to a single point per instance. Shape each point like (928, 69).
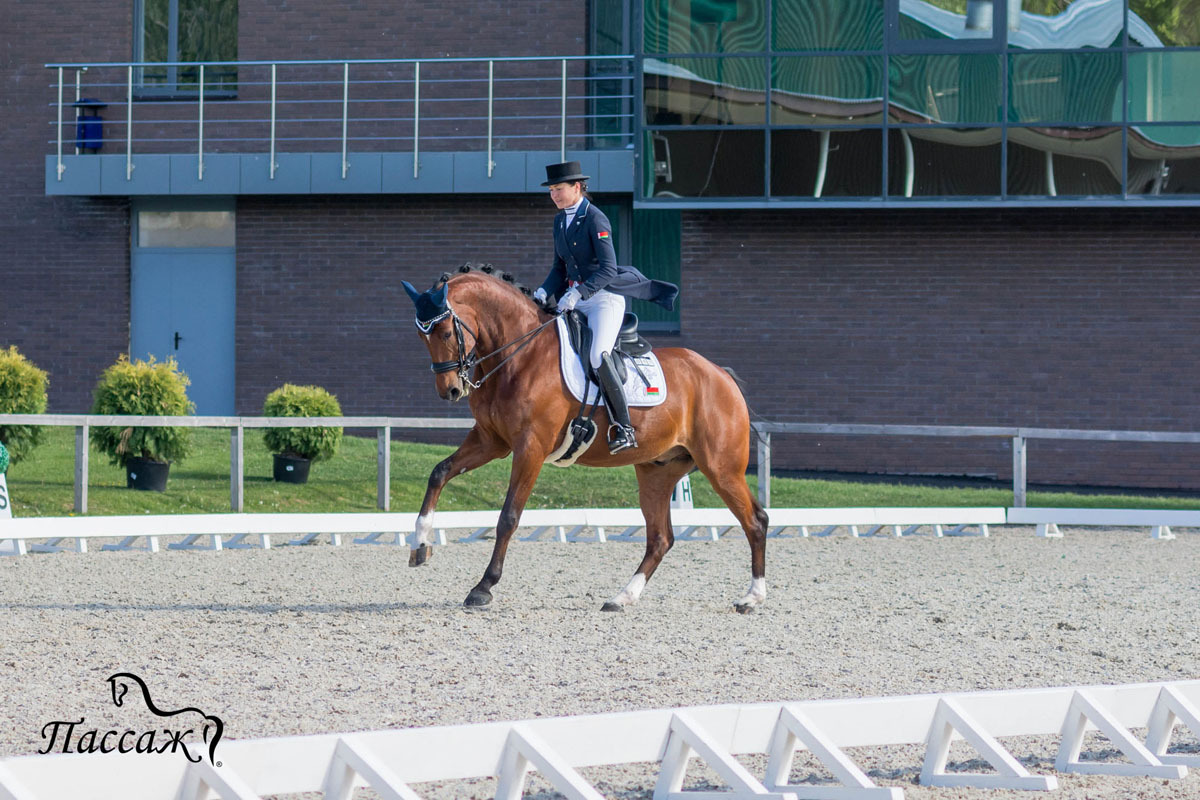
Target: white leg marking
(423, 531)
(630, 594)
(756, 594)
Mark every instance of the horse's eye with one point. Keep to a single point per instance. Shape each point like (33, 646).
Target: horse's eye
(446, 336)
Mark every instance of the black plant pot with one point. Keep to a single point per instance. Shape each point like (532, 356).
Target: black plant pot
(291, 469)
(146, 475)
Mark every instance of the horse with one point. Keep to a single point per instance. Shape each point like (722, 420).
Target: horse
(521, 405)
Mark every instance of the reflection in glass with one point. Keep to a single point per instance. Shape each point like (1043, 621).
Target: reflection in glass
(705, 91)
(943, 162)
(945, 88)
(828, 163)
(828, 24)
(1155, 23)
(826, 89)
(1164, 159)
(1064, 161)
(1064, 87)
(1163, 86)
(720, 163)
(186, 229)
(704, 26)
(922, 20)
(1065, 24)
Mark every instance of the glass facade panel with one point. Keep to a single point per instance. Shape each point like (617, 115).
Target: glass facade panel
(187, 30)
(827, 24)
(944, 162)
(944, 88)
(705, 91)
(1064, 87)
(1164, 86)
(1053, 162)
(941, 20)
(1164, 23)
(186, 229)
(705, 163)
(705, 26)
(827, 89)
(1164, 159)
(1065, 24)
(657, 238)
(838, 162)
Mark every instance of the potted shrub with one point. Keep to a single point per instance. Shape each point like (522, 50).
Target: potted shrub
(295, 449)
(150, 389)
(22, 391)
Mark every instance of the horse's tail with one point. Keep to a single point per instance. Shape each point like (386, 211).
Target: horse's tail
(741, 385)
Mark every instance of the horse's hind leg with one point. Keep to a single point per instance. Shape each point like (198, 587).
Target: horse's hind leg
(655, 482)
(475, 451)
(729, 481)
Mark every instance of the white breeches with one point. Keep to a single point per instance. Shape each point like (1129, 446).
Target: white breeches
(604, 312)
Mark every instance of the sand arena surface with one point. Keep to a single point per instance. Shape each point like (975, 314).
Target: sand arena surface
(321, 639)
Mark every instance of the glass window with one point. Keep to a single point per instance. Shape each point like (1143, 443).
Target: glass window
(1163, 86)
(1164, 23)
(708, 163)
(1064, 161)
(657, 236)
(945, 88)
(1064, 24)
(1164, 159)
(705, 26)
(186, 30)
(944, 162)
(1064, 87)
(186, 229)
(839, 162)
(944, 20)
(826, 89)
(705, 91)
(827, 24)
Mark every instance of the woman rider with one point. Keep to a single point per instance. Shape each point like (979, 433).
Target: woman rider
(585, 276)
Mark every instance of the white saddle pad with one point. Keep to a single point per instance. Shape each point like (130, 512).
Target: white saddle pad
(651, 392)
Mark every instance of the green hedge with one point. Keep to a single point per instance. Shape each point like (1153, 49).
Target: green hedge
(22, 391)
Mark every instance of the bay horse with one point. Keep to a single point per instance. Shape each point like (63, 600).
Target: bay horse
(488, 344)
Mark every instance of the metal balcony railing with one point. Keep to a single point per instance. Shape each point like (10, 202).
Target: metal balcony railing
(269, 107)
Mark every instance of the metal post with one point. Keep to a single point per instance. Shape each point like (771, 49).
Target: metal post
(129, 126)
(272, 164)
(1019, 474)
(237, 441)
(764, 469)
(60, 168)
(383, 472)
(345, 112)
(78, 97)
(200, 141)
(416, 117)
(562, 136)
(81, 468)
(491, 96)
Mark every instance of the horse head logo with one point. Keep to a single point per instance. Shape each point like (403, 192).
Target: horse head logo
(119, 684)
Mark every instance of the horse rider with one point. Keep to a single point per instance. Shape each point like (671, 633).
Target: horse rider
(585, 276)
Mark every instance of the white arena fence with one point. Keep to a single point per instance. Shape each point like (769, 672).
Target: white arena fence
(392, 762)
(241, 530)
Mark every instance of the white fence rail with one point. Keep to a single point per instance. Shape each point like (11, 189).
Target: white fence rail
(391, 762)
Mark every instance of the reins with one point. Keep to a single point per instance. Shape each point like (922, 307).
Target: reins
(466, 362)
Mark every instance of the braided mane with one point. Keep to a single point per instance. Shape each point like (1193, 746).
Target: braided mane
(486, 269)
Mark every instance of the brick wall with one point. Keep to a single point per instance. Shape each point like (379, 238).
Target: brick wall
(1041, 318)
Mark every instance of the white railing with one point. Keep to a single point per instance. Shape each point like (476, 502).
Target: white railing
(391, 762)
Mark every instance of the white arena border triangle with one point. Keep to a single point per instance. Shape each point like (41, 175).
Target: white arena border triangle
(392, 762)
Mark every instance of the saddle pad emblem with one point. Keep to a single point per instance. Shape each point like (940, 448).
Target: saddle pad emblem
(651, 393)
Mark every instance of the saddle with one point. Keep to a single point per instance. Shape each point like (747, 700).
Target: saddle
(629, 342)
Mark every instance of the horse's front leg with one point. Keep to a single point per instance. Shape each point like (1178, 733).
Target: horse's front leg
(527, 464)
(475, 451)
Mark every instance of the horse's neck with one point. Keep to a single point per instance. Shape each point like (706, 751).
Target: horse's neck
(500, 322)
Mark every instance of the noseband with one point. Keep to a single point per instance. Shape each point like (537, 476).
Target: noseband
(466, 362)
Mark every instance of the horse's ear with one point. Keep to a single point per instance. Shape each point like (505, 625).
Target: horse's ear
(438, 296)
(412, 290)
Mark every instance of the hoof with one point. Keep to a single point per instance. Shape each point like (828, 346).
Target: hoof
(611, 606)
(477, 598)
(419, 556)
(744, 608)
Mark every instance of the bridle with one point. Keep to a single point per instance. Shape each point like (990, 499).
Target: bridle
(466, 362)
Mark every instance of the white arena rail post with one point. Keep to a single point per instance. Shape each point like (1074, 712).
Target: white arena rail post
(82, 433)
(383, 460)
(764, 468)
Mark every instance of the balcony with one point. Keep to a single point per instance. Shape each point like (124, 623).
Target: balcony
(328, 127)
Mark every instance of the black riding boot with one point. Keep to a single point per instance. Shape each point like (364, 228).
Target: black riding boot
(620, 432)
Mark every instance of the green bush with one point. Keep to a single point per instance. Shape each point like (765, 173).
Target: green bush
(316, 444)
(149, 389)
(22, 391)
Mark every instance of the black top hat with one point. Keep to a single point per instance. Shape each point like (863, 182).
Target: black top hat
(564, 173)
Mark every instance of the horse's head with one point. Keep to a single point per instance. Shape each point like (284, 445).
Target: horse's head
(447, 336)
